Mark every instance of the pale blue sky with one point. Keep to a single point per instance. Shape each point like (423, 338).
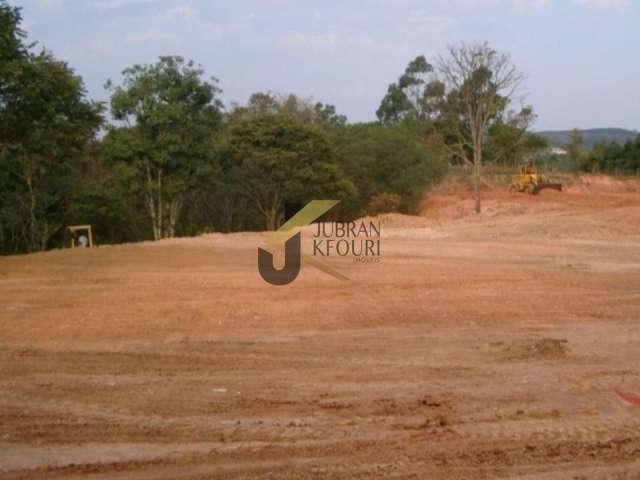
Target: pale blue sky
(580, 56)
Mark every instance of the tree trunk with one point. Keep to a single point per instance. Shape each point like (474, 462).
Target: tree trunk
(154, 220)
(271, 214)
(151, 204)
(476, 186)
(271, 219)
(44, 240)
(477, 165)
(174, 208)
(228, 214)
(33, 222)
(160, 213)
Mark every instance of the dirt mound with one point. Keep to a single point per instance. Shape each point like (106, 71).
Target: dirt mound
(580, 196)
(605, 183)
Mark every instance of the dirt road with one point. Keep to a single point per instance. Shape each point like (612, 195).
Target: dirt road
(478, 348)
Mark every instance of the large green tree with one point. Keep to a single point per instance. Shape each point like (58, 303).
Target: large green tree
(279, 160)
(168, 115)
(46, 122)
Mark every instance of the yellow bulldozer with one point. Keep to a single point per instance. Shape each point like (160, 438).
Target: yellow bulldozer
(531, 181)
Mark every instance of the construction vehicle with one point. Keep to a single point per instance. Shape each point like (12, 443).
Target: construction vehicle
(531, 181)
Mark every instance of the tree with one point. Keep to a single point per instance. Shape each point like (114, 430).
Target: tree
(575, 147)
(12, 45)
(461, 101)
(45, 123)
(279, 160)
(508, 139)
(101, 195)
(304, 110)
(391, 160)
(169, 116)
(409, 97)
(611, 157)
(481, 84)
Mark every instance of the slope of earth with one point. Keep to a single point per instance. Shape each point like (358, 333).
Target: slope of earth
(504, 345)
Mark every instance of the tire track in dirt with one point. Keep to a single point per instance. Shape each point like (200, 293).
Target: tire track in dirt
(614, 421)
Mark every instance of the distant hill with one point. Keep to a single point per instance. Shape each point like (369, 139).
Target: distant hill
(592, 136)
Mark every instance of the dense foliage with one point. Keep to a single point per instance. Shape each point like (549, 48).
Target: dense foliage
(392, 160)
(610, 157)
(46, 123)
(276, 159)
(613, 158)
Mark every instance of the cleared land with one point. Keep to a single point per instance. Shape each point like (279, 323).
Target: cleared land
(478, 348)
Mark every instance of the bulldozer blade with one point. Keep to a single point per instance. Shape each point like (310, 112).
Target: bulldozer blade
(554, 186)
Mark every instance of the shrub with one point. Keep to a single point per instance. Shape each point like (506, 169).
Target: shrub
(383, 203)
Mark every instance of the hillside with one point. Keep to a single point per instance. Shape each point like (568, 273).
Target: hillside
(558, 138)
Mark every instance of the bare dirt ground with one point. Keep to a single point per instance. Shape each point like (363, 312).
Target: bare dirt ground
(480, 347)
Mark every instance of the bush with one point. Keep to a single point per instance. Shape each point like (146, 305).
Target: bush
(387, 160)
(383, 203)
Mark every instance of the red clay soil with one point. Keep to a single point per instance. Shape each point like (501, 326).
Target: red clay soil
(491, 346)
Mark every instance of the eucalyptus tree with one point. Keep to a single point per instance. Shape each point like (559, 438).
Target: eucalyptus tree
(482, 83)
(469, 89)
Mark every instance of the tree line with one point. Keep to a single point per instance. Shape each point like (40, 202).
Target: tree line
(605, 157)
(165, 157)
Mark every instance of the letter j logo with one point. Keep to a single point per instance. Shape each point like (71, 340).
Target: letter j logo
(290, 237)
(292, 262)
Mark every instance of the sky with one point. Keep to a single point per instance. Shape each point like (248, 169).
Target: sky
(580, 57)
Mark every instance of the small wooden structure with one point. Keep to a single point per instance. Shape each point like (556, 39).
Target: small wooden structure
(75, 231)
